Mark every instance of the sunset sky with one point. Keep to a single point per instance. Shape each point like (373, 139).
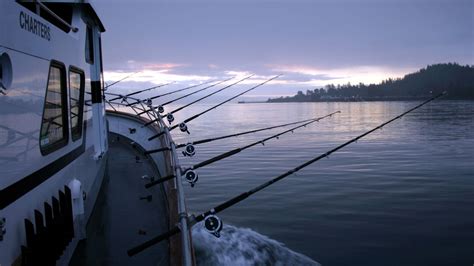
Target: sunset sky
(312, 43)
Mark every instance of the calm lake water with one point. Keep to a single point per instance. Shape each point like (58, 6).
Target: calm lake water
(404, 195)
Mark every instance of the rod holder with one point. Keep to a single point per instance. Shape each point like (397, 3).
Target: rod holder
(3, 229)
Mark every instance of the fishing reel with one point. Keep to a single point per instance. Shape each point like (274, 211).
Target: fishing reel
(191, 176)
(161, 109)
(189, 150)
(184, 128)
(213, 224)
(170, 118)
(148, 102)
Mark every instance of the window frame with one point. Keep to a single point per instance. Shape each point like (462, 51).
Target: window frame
(89, 45)
(77, 135)
(45, 150)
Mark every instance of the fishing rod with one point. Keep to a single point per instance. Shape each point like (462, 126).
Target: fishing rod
(170, 116)
(192, 177)
(134, 108)
(137, 92)
(161, 109)
(184, 128)
(122, 79)
(149, 100)
(214, 225)
(189, 147)
(159, 181)
(184, 96)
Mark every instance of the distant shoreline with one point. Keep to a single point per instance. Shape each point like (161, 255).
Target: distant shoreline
(375, 99)
(455, 79)
(242, 102)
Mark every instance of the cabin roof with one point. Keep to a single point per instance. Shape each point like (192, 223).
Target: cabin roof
(91, 11)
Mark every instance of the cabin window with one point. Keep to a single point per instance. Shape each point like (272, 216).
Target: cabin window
(54, 124)
(62, 10)
(76, 101)
(89, 45)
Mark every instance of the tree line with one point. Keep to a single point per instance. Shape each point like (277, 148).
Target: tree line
(456, 79)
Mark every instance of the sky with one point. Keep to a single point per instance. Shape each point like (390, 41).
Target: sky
(312, 43)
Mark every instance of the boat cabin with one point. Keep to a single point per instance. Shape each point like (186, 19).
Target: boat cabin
(53, 130)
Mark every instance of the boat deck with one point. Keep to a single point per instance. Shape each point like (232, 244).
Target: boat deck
(121, 218)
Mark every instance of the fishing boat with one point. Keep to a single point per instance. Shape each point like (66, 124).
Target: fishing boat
(72, 172)
(89, 176)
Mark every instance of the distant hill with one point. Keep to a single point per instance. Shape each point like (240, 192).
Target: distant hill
(457, 80)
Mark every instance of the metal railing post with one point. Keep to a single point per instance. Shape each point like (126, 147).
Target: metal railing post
(183, 215)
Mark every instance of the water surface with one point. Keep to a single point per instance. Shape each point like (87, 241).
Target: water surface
(404, 195)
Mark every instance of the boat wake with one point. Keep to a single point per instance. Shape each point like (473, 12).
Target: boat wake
(242, 246)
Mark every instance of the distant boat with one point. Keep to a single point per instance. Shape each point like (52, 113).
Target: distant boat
(251, 102)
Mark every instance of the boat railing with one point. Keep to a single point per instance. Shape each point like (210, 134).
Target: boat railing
(41, 6)
(147, 111)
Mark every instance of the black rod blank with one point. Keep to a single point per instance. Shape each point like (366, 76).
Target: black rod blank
(215, 106)
(159, 181)
(140, 91)
(193, 102)
(120, 80)
(202, 141)
(237, 150)
(189, 94)
(169, 93)
(241, 197)
(194, 92)
(209, 95)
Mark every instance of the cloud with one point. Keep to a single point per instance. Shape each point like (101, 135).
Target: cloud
(295, 77)
(154, 77)
(163, 66)
(313, 76)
